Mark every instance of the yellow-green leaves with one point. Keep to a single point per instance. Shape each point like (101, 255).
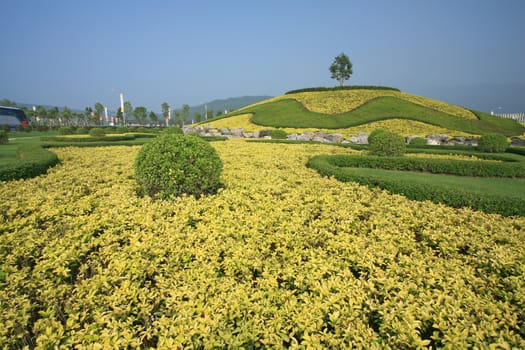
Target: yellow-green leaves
(278, 258)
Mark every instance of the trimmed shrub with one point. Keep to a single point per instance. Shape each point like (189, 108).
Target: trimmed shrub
(506, 168)
(24, 128)
(97, 132)
(82, 131)
(386, 143)
(338, 167)
(174, 165)
(418, 142)
(42, 128)
(493, 143)
(5, 127)
(173, 130)
(3, 137)
(278, 134)
(65, 130)
(351, 87)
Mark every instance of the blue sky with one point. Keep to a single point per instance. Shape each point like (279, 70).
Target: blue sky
(75, 53)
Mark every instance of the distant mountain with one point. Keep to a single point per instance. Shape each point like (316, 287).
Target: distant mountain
(223, 105)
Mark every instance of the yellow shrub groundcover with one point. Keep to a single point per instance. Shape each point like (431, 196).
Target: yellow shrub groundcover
(279, 258)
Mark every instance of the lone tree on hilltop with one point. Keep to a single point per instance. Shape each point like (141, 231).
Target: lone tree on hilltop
(341, 68)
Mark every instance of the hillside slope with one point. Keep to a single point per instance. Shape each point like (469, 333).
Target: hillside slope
(343, 109)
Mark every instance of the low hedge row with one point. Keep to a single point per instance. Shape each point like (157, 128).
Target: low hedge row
(454, 197)
(351, 87)
(432, 165)
(31, 161)
(516, 150)
(103, 138)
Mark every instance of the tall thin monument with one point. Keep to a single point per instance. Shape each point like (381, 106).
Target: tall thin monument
(122, 107)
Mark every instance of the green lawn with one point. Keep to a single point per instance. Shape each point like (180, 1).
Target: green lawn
(290, 113)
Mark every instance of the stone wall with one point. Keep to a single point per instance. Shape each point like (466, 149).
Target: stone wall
(361, 138)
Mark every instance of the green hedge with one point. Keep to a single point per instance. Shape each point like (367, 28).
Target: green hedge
(4, 138)
(72, 139)
(454, 197)
(31, 161)
(352, 87)
(384, 142)
(516, 150)
(510, 168)
(493, 143)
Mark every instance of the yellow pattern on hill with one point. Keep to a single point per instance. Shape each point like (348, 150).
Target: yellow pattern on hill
(401, 126)
(340, 101)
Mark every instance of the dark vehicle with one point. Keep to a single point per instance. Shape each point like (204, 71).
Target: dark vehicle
(13, 117)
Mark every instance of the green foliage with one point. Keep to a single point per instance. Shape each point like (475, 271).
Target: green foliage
(65, 130)
(493, 143)
(278, 134)
(341, 68)
(42, 128)
(5, 127)
(174, 165)
(94, 138)
(418, 142)
(289, 113)
(82, 131)
(24, 128)
(353, 87)
(97, 132)
(448, 190)
(509, 168)
(516, 150)
(32, 160)
(386, 143)
(172, 130)
(123, 129)
(4, 138)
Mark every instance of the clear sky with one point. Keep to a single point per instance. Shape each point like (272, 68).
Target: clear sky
(78, 52)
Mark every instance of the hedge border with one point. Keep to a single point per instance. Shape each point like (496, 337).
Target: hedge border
(507, 168)
(31, 161)
(325, 165)
(336, 88)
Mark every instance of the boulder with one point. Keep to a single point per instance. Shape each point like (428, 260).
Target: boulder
(516, 141)
(360, 139)
(237, 132)
(335, 138)
(437, 139)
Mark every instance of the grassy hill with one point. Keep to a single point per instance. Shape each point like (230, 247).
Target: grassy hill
(360, 108)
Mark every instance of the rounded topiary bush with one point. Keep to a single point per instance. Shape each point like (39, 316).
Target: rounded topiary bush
(3, 137)
(65, 130)
(383, 142)
(97, 132)
(82, 131)
(493, 143)
(174, 165)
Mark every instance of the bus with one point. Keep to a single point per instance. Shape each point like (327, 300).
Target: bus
(13, 117)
